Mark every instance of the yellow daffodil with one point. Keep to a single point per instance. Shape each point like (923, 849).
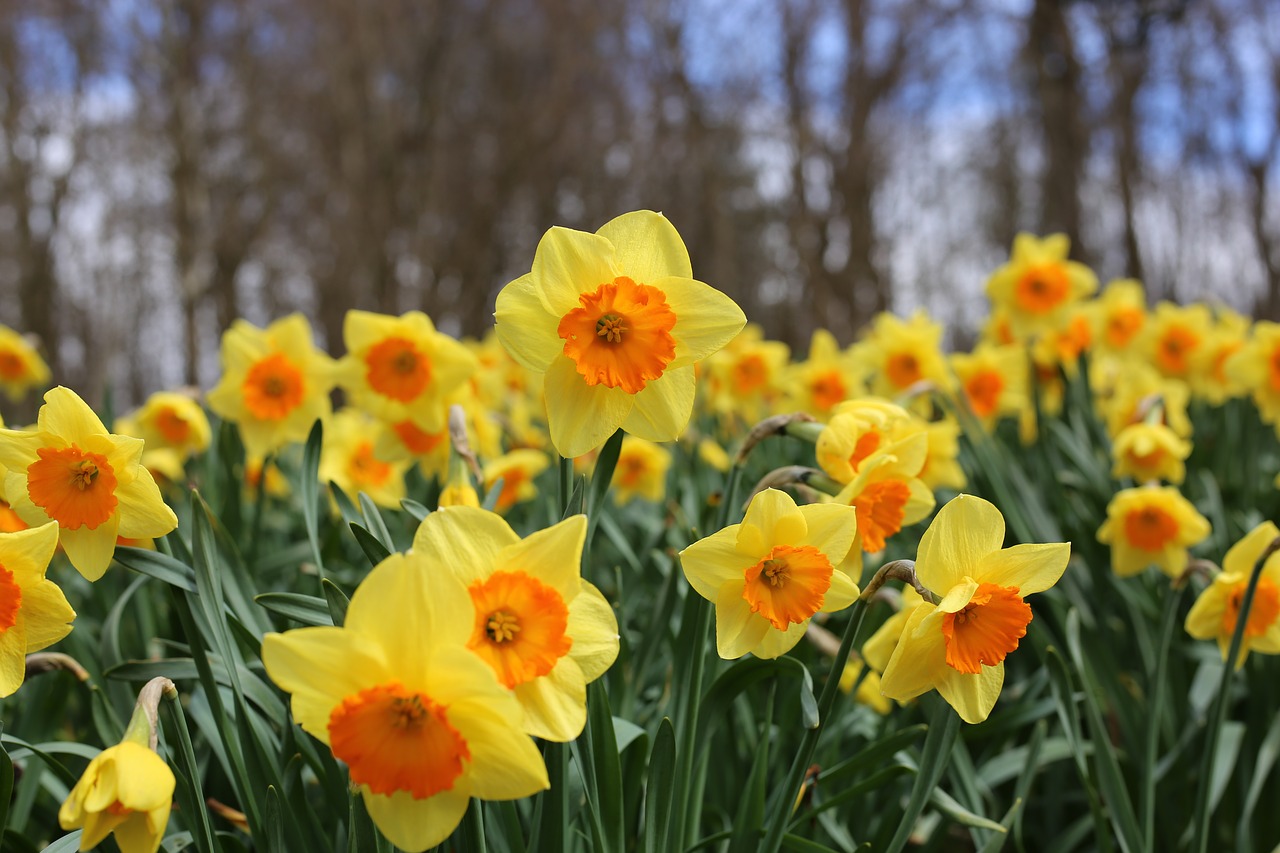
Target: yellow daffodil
(616, 321)
(523, 607)
(1138, 388)
(1151, 525)
(1217, 610)
(641, 471)
(888, 493)
(72, 471)
(169, 420)
(1122, 314)
(993, 381)
(743, 379)
(10, 521)
(826, 378)
(1256, 366)
(21, 367)
(276, 485)
(869, 690)
(422, 724)
(1063, 344)
(904, 353)
(1038, 284)
(1211, 380)
(349, 459)
(710, 452)
(942, 468)
(128, 790)
(275, 384)
(401, 368)
(34, 614)
(958, 645)
(517, 471)
(1148, 452)
(857, 429)
(878, 649)
(1175, 336)
(768, 575)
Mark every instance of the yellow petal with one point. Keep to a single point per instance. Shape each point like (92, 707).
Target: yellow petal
(663, 407)
(777, 643)
(580, 416)
(465, 541)
(646, 247)
(917, 662)
(772, 518)
(27, 553)
(594, 629)
(958, 597)
(64, 414)
(831, 529)
(713, 561)
(525, 327)
(1204, 621)
(505, 764)
(555, 705)
(143, 513)
(1241, 556)
(46, 614)
(1031, 567)
(841, 594)
(13, 656)
(706, 319)
(568, 263)
(964, 532)
(319, 667)
(142, 832)
(973, 696)
(414, 825)
(552, 555)
(90, 551)
(738, 630)
(144, 780)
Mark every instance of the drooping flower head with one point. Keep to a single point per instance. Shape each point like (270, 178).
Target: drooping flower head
(91, 482)
(616, 321)
(958, 645)
(34, 614)
(21, 367)
(523, 607)
(275, 383)
(1217, 610)
(422, 724)
(1151, 525)
(1038, 284)
(768, 575)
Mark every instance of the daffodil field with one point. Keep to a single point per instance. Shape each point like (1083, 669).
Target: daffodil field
(626, 576)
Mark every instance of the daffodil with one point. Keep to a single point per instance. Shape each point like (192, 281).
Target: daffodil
(993, 381)
(34, 614)
(275, 383)
(868, 690)
(958, 645)
(21, 367)
(127, 790)
(641, 471)
(1174, 336)
(768, 575)
(171, 420)
(942, 468)
(92, 483)
(1148, 452)
(1122, 316)
(401, 368)
(744, 378)
(857, 429)
(1038, 284)
(888, 493)
(878, 649)
(10, 521)
(349, 458)
(827, 377)
(422, 724)
(523, 607)
(1217, 610)
(1151, 525)
(616, 322)
(1256, 366)
(1137, 388)
(517, 470)
(904, 353)
(1211, 380)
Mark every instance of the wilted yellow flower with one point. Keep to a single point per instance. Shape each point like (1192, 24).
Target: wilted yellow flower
(422, 723)
(72, 471)
(349, 458)
(517, 471)
(1038, 284)
(21, 367)
(993, 381)
(1149, 452)
(958, 646)
(616, 322)
(1151, 525)
(275, 383)
(34, 614)
(768, 575)
(169, 420)
(128, 790)
(1217, 610)
(641, 471)
(522, 606)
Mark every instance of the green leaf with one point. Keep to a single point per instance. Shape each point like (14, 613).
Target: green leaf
(417, 510)
(159, 566)
(309, 490)
(375, 523)
(657, 800)
(304, 609)
(350, 514)
(948, 805)
(492, 494)
(65, 844)
(372, 547)
(602, 476)
(337, 600)
(6, 786)
(944, 725)
(273, 820)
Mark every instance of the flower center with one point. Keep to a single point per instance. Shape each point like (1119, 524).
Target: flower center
(789, 585)
(749, 374)
(986, 629)
(1042, 288)
(983, 390)
(620, 335)
(172, 426)
(1150, 528)
(11, 600)
(1175, 348)
(396, 369)
(828, 389)
(273, 387)
(903, 369)
(363, 467)
(1263, 613)
(866, 444)
(11, 365)
(880, 510)
(394, 739)
(74, 487)
(417, 441)
(519, 626)
(1122, 325)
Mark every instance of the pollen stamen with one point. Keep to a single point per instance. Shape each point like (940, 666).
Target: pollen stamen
(610, 327)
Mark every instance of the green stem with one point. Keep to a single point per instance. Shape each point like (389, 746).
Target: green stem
(781, 802)
(1156, 699)
(566, 483)
(943, 728)
(1218, 714)
(202, 831)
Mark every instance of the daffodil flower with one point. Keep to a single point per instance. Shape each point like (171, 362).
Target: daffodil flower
(616, 322)
(34, 614)
(71, 470)
(1037, 285)
(21, 367)
(958, 645)
(768, 575)
(1151, 525)
(1217, 610)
